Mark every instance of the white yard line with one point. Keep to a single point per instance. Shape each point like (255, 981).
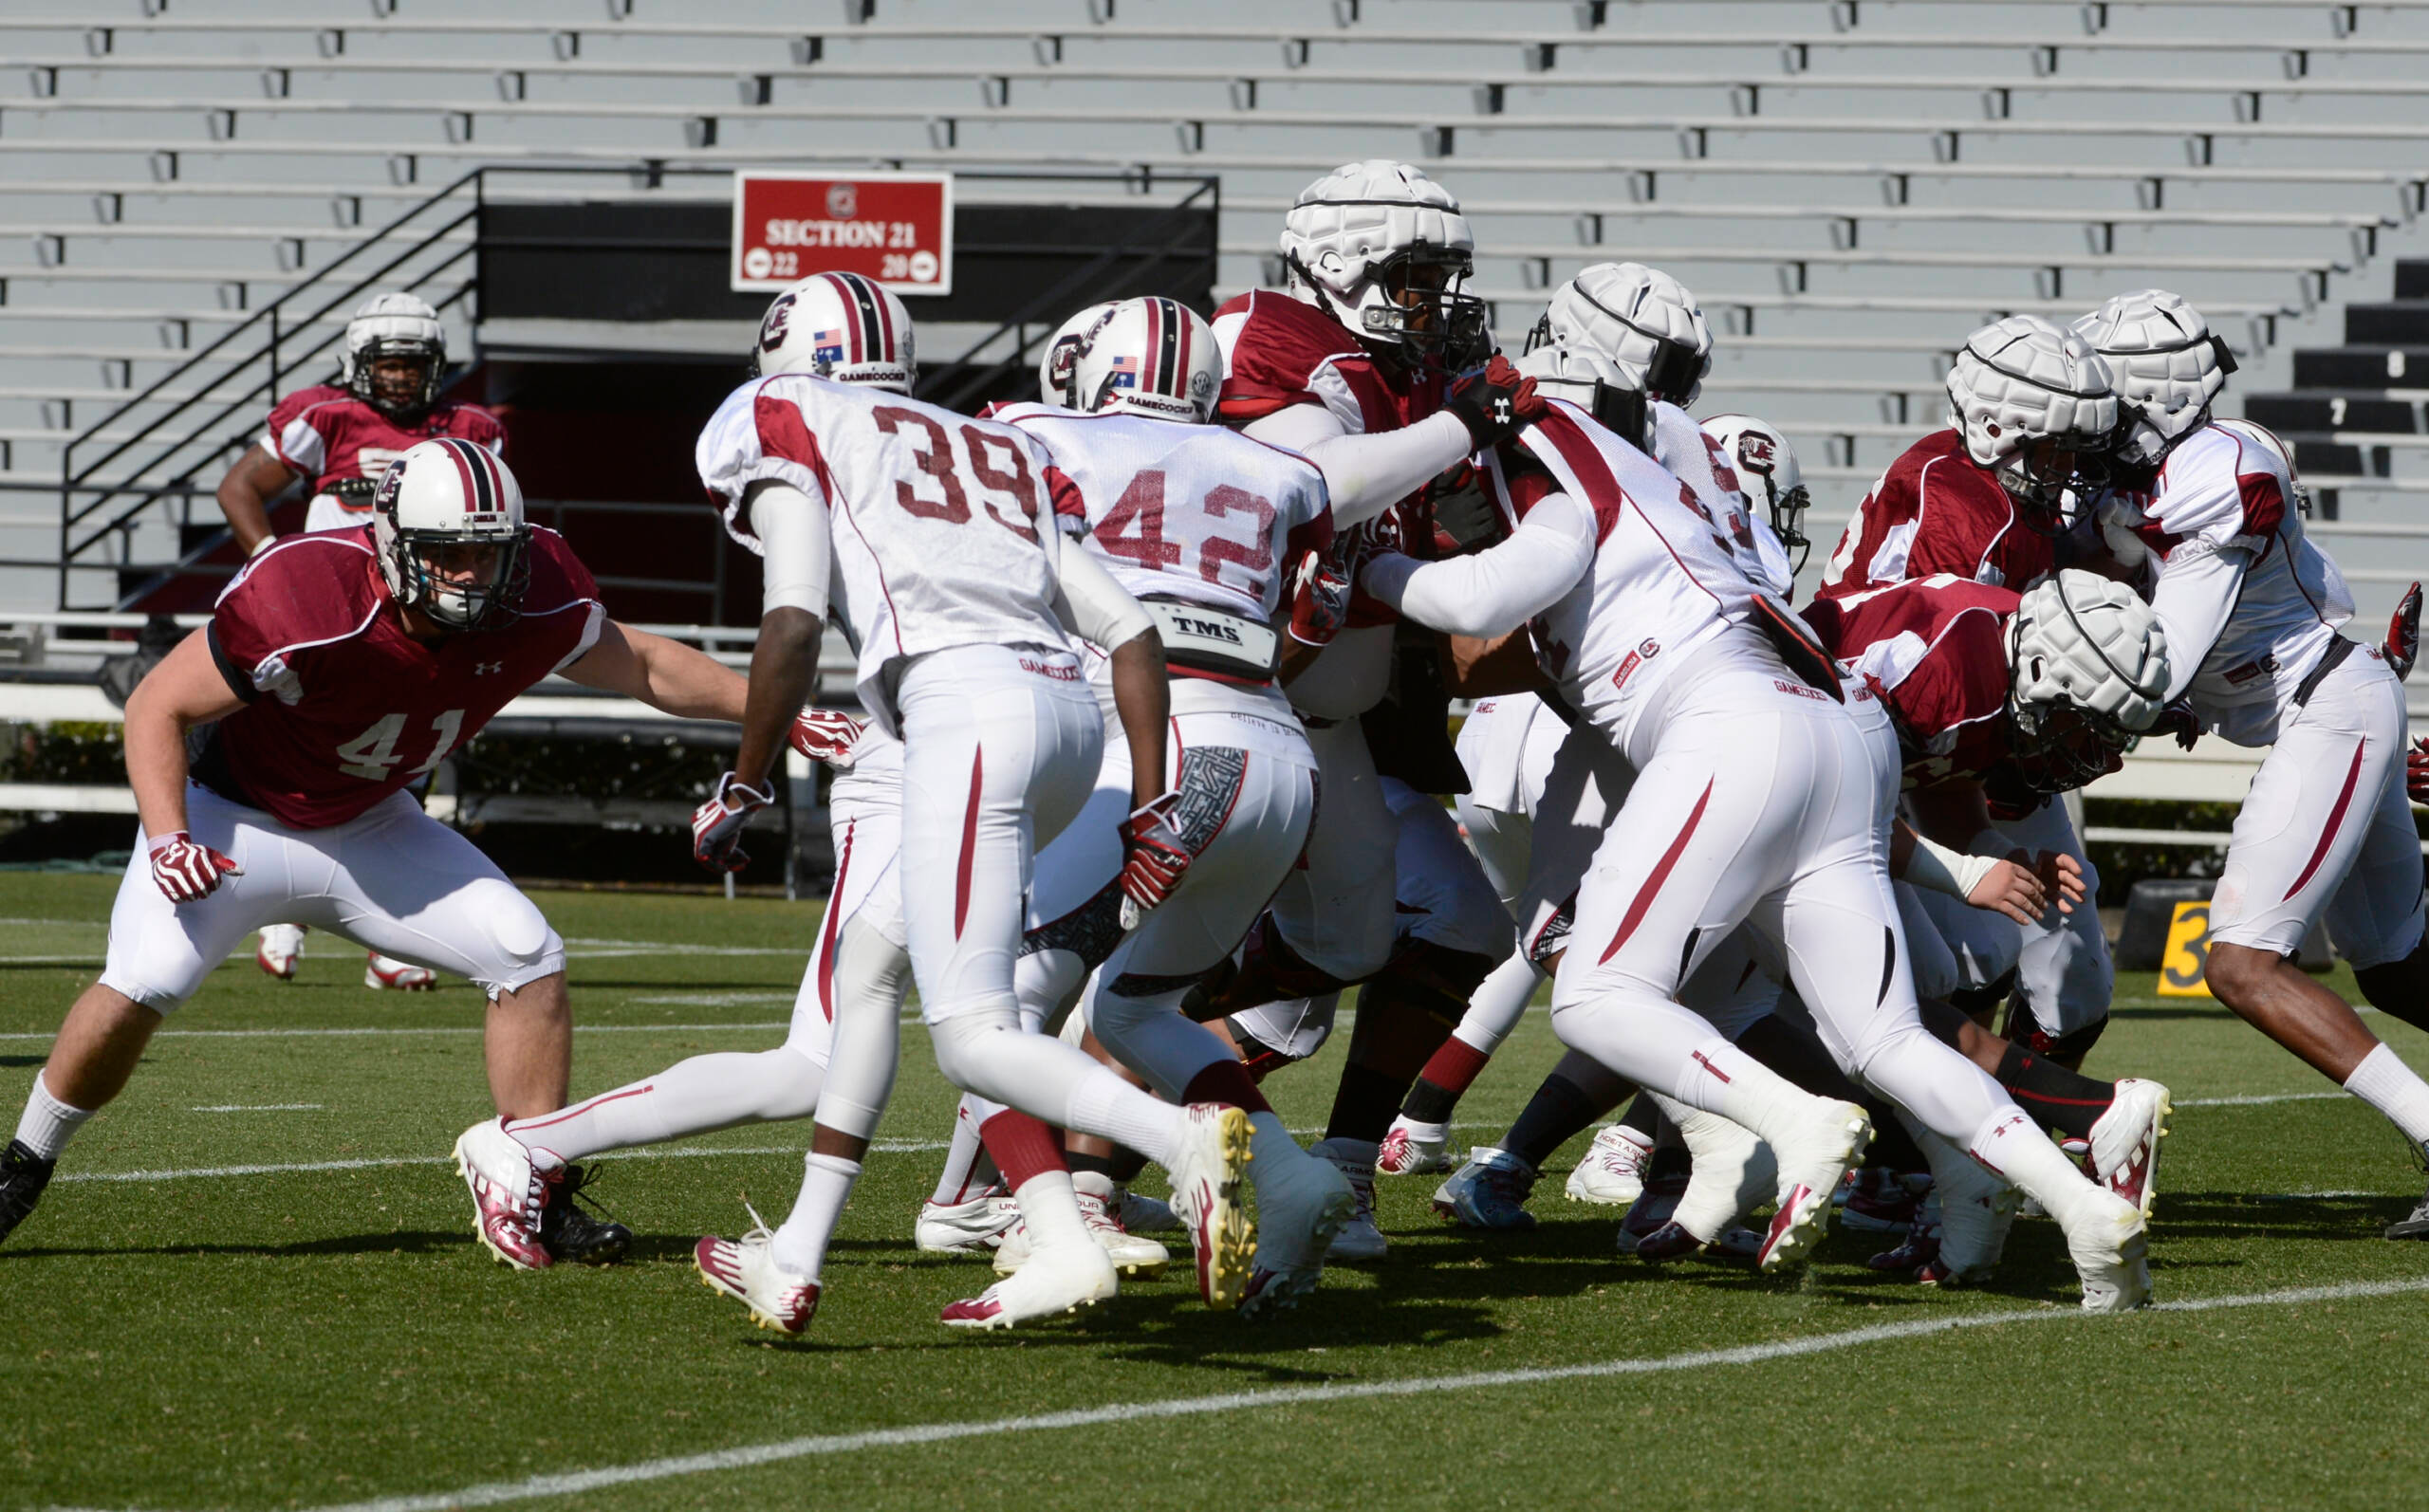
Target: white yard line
(261, 1107)
(48, 1035)
(885, 1146)
(577, 1482)
(2259, 1100)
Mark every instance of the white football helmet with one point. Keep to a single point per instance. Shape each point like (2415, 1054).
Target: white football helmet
(453, 493)
(1055, 358)
(2166, 366)
(841, 326)
(1641, 318)
(394, 325)
(1767, 470)
(1592, 382)
(2088, 671)
(2034, 404)
(1152, 357)
(1384, 251)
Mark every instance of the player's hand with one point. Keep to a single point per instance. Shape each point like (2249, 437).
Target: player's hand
(716, 825)
(1153, 857)
(1464, 516)
(2404, 633)
(826, 735)
(186, 870)
(2062, 877)
(2011, 889)
(2416, 771)
(1319, 600)
(1496, 402)
(2178, 720)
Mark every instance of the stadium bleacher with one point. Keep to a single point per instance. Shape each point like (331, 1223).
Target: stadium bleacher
(1849, 186)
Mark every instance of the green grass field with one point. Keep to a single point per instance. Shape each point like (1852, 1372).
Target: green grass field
(179, 1334)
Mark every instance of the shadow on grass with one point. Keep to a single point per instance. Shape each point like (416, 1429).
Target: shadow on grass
(23, 1060)
(2276, 1215)
(405, 1242)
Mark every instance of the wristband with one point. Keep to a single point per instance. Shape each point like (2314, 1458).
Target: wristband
(1936, 867)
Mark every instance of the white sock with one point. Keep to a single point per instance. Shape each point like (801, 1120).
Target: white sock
(1270, 1147)
(695, 1096)
(961, 1159)
(1104, 1105)
(48, 1123)
(826, 1185)
(2385, 1083)
(2012, 1143)
(1050, 1207)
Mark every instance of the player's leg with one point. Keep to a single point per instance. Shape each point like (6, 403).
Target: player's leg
(2063, 974)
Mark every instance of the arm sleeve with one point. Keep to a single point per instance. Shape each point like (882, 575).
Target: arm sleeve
(1497, 589)
(1095, 605)
(2196, 594)
(1366, 474)
(796, 553)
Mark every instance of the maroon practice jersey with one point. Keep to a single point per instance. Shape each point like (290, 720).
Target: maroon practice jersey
(1935, 652)
(355, 708)
(1936, 511)
(329, 436)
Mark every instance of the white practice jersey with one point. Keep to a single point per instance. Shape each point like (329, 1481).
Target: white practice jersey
(942, 525)
(1665, 575)
(2230, 487)
(1682, 448)
(1193, 513)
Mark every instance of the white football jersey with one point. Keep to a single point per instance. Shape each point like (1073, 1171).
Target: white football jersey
(1193, 513)
(1682, 448)
(2230, 483)
(942, 525)
(1665, 575)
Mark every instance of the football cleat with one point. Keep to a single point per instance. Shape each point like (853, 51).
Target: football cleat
(1880, 1201)
(508, 1194)
(280, 950)
(1612, 1173)
(1055, 1279)
(1490, 1191)
(1412, 1148)
(746, 1270)
(1131, 1254)
(23, 1175)
(573, 1235)
(390, 974)
(2125, 1141)
(1206, 1195)
(1732, 1172)
(1359, 1239)
(1651, 1211)
(1918, 1252)
(1143, 1215)
(1976, 1209)
(2415, 1226)
(1814, 1157)
(1301, 1209)
(970, 1227)
(2107, 1242)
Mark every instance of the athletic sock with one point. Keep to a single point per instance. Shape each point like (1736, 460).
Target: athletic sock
(2384, 1082)
(1104, 1105)
(1451, 1071)
(1558, 1112)
(959, 1181)
(2063, 1099)
(1050, 1207)
(1024, 1146)
(1643, 1115)
(1363, 1105)
(48, 1123)
(2012, 1145)
(825, 1187)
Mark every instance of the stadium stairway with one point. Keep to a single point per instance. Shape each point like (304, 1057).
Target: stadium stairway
(1849, 186)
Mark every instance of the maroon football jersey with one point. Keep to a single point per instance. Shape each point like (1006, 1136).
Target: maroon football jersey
(329, 436)
(1935, 652)
(342, 707)
(1935, 511)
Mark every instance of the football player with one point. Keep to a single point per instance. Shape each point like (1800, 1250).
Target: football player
(337, 669)
(339, 437)
(955, 591)
(2207, 512)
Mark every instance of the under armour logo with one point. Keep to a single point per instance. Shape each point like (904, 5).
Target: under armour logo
(1503, 411)
(482, 669)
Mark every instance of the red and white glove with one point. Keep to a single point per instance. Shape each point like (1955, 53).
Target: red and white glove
(2404, 633)
(1153, 857)
(826, 735)
(1319, 600)
(186, 870)
(716, 825)
(2416, 771)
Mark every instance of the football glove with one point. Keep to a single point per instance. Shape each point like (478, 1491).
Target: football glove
(1464, 516)
(1496, 402)
(2178, 720)
(186, 870)
(2404, 633)
(716, 825)
(826, 735)
(1153, 857)
(1319, 600)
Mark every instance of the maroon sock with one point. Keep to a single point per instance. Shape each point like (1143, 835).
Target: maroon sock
(1452, 1071)
(1226, 1081)
(1022, 1147)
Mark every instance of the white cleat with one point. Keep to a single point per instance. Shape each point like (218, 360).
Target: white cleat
(1299, 1209)
(1413, 1149)
(1612, 1173)
(1976, 1209)
(1056, 1279)
(1207, 1196)
(1815, 1157)
(746, 1270)
(1357, 1240)
(390, 974)
(281, 949)
(1143, 1215)
(508, 1194)
(2107, 1241)
(2125, 1142)
(1131, 1255)
(972, 1227)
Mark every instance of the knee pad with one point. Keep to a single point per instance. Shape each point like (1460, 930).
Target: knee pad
(961, 1041)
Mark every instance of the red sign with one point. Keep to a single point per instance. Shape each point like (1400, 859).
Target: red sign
(894, 227)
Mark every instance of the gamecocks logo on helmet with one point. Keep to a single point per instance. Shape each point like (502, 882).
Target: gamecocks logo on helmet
(1755, 453)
